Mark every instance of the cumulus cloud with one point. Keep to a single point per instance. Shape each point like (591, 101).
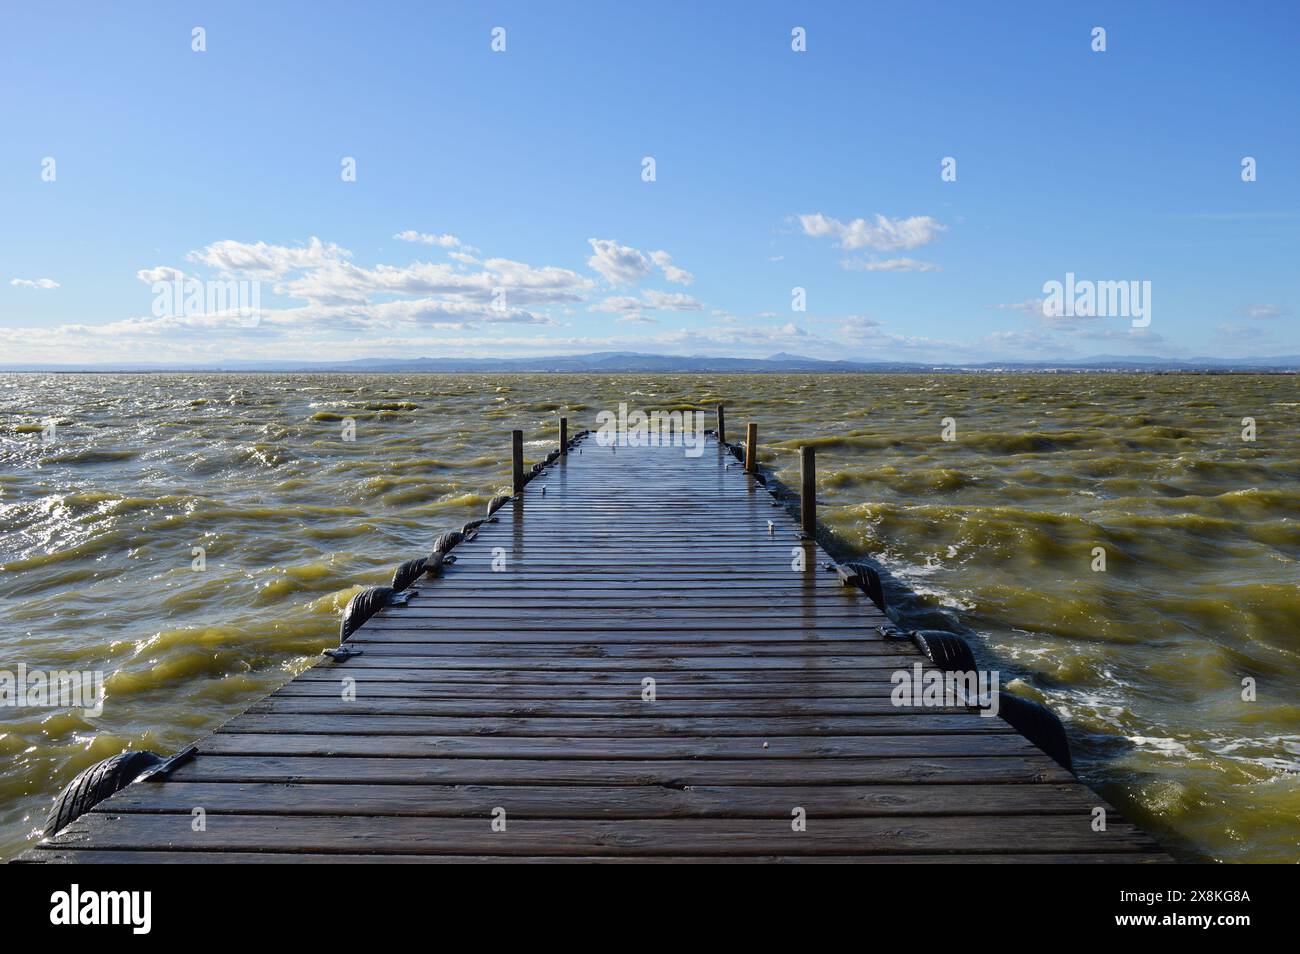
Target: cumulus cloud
(870, 334)
(45, 284)
(678, 276)
(1265, 312)
(616, 304)
(426, 238)
(262, 260)
(340, 281)
(670, 301)
(161, 273)
(1032, 340)
(888, 265)
(1038, 307)
(624, 265)
(650, 300)
(882, 233)
(1240, 332)
(617, 264)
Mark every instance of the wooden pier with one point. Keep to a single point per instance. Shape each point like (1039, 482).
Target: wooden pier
(644, 674)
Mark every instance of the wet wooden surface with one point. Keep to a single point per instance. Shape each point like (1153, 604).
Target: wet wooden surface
(502, 714)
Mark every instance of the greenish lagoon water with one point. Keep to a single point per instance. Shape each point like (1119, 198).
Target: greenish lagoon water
(991, 535)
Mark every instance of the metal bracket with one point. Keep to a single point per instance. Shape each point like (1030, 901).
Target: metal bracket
(160, 771)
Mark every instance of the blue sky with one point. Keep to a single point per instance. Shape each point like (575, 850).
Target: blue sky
(517, 178)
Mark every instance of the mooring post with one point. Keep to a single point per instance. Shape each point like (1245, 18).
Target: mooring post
(751, 448)
(808, 491)
(564, 436)
(517, 459)
(722, 426)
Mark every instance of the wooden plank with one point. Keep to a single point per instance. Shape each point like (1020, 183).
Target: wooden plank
(559, 646)
(631, 709)
(343, 723)
(888, 742)
(404, 656)
(424, 675)
(1030, 769)
(53, 854)
(596, 801)
(628, 691)
(529, 836)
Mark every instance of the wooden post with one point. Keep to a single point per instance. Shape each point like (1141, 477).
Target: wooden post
(808, 491)
(564, 436)
(722, 426)
(751, 448)
(517, 459)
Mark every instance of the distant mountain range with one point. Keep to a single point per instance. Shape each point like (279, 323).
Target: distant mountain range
(625, 362)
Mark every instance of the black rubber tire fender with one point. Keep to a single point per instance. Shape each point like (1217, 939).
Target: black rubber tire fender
(363, 606)
(447, 542)
(496, 503)
(408, 573)
(947, 651)
(1038, 724)
(94, 784)
(869, 580)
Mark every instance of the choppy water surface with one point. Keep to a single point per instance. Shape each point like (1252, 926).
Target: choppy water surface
(991, 535)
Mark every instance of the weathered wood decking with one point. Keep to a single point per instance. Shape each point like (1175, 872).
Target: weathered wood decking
(522, 690)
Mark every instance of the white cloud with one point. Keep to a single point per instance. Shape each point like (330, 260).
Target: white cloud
(44, 284)
(624, 265)
(639, 319)
(670, 301)
(1240, 332)
(617, 264)
(425, 238)
(870, 334)
(678, 276)
(651, 300)
(395, 315)
(537, 285)
(1030, 306)
(888, 265)
(161, 273)
(261, 260)
(338, 282)
(1266, 312)
(330, 299)
(1031, 340)
(883, 234)
(617, 304)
